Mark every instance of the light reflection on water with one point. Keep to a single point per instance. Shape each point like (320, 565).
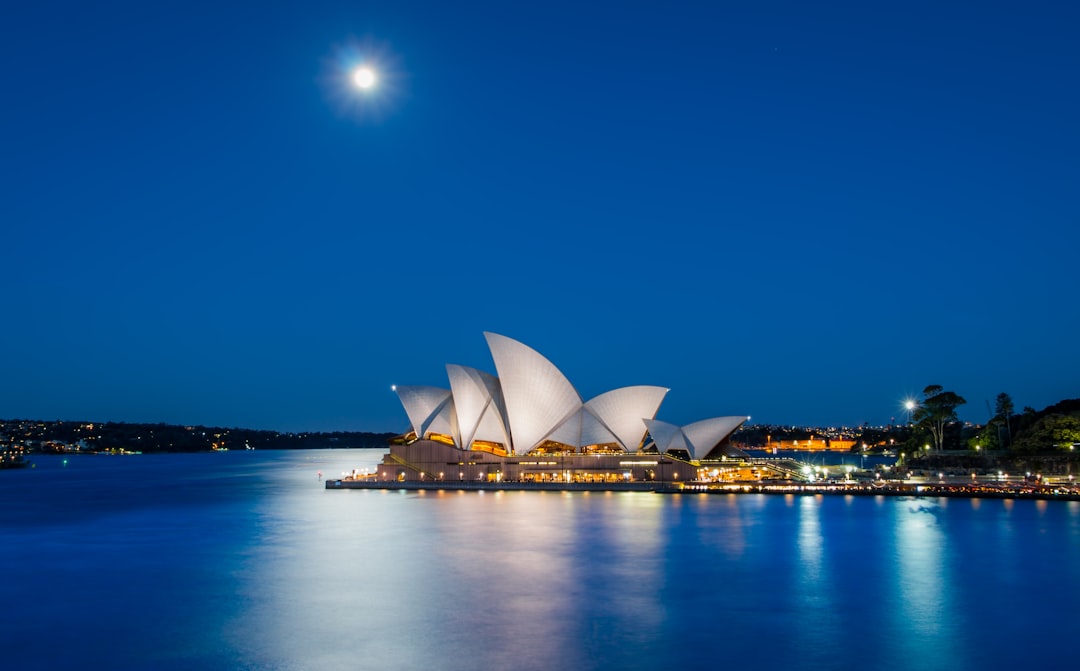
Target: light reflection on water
(245, 561)
(921, 588)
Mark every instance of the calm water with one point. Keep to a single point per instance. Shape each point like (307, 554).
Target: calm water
(242, 560)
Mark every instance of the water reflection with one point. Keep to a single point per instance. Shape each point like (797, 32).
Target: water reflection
(815, 591)
(923, 606)
(720, 524)
(809, 541)
(255, 565)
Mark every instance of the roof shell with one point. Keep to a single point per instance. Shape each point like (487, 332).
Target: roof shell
(477, 405)
(430, 409)
(698, 438)
(531, 401)
(622, 412)
(538, 396)
(705, 435)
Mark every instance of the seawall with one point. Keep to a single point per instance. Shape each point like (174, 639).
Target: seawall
(928, 491)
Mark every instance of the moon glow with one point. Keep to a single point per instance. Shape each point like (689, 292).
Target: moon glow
(364, 77)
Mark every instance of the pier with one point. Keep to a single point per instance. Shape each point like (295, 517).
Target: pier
(504, 486)
(947, 490)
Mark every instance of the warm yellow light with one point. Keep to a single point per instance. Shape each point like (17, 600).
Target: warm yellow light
(364, 77)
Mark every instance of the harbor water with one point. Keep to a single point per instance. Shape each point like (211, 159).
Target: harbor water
(243, 560)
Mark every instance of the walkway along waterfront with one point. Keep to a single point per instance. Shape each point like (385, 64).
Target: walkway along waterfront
(431, 465)
(940, 489)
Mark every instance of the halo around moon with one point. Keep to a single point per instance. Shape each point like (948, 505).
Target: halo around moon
(364, 77)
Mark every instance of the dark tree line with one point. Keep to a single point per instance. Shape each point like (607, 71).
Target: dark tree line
(935, 423)
(139, 437)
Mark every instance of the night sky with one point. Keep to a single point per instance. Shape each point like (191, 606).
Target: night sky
(803, 212)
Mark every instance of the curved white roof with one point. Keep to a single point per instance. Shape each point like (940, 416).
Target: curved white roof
(569, 431)
(698, 438)
(538, 396)
(492, 428)
(430, 409)
(667, 436)
(531, 401)
(704, 435)
(662, 433)
(622, 411)
(479, 415)
(594, 432)
(584, 428)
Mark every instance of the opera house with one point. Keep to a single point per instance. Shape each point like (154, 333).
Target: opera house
(529, 424)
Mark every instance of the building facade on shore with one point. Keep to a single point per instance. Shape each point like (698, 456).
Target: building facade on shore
(433, 461)
(529, 423)
(811, 444)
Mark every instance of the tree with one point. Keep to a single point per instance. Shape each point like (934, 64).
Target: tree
(936, 410)
(1055, 430)
(987, 439)
(1065, 432)
(1005, 409)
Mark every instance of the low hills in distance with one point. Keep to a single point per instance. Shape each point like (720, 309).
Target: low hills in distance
(1053, 430)
(123, 437)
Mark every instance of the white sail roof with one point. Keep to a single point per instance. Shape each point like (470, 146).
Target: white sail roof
(430, 409)
(705, 435)
(538, 396)
(531, 401)
(479, 415)
(665, 435)
(623, 411)
(582, 428)
(698, 438)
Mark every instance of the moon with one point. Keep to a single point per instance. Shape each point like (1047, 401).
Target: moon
(364, 77)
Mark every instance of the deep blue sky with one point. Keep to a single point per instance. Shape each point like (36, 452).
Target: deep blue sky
(798, 211)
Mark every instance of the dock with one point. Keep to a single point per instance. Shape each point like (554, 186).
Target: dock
(966, 491)
(506, 486)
